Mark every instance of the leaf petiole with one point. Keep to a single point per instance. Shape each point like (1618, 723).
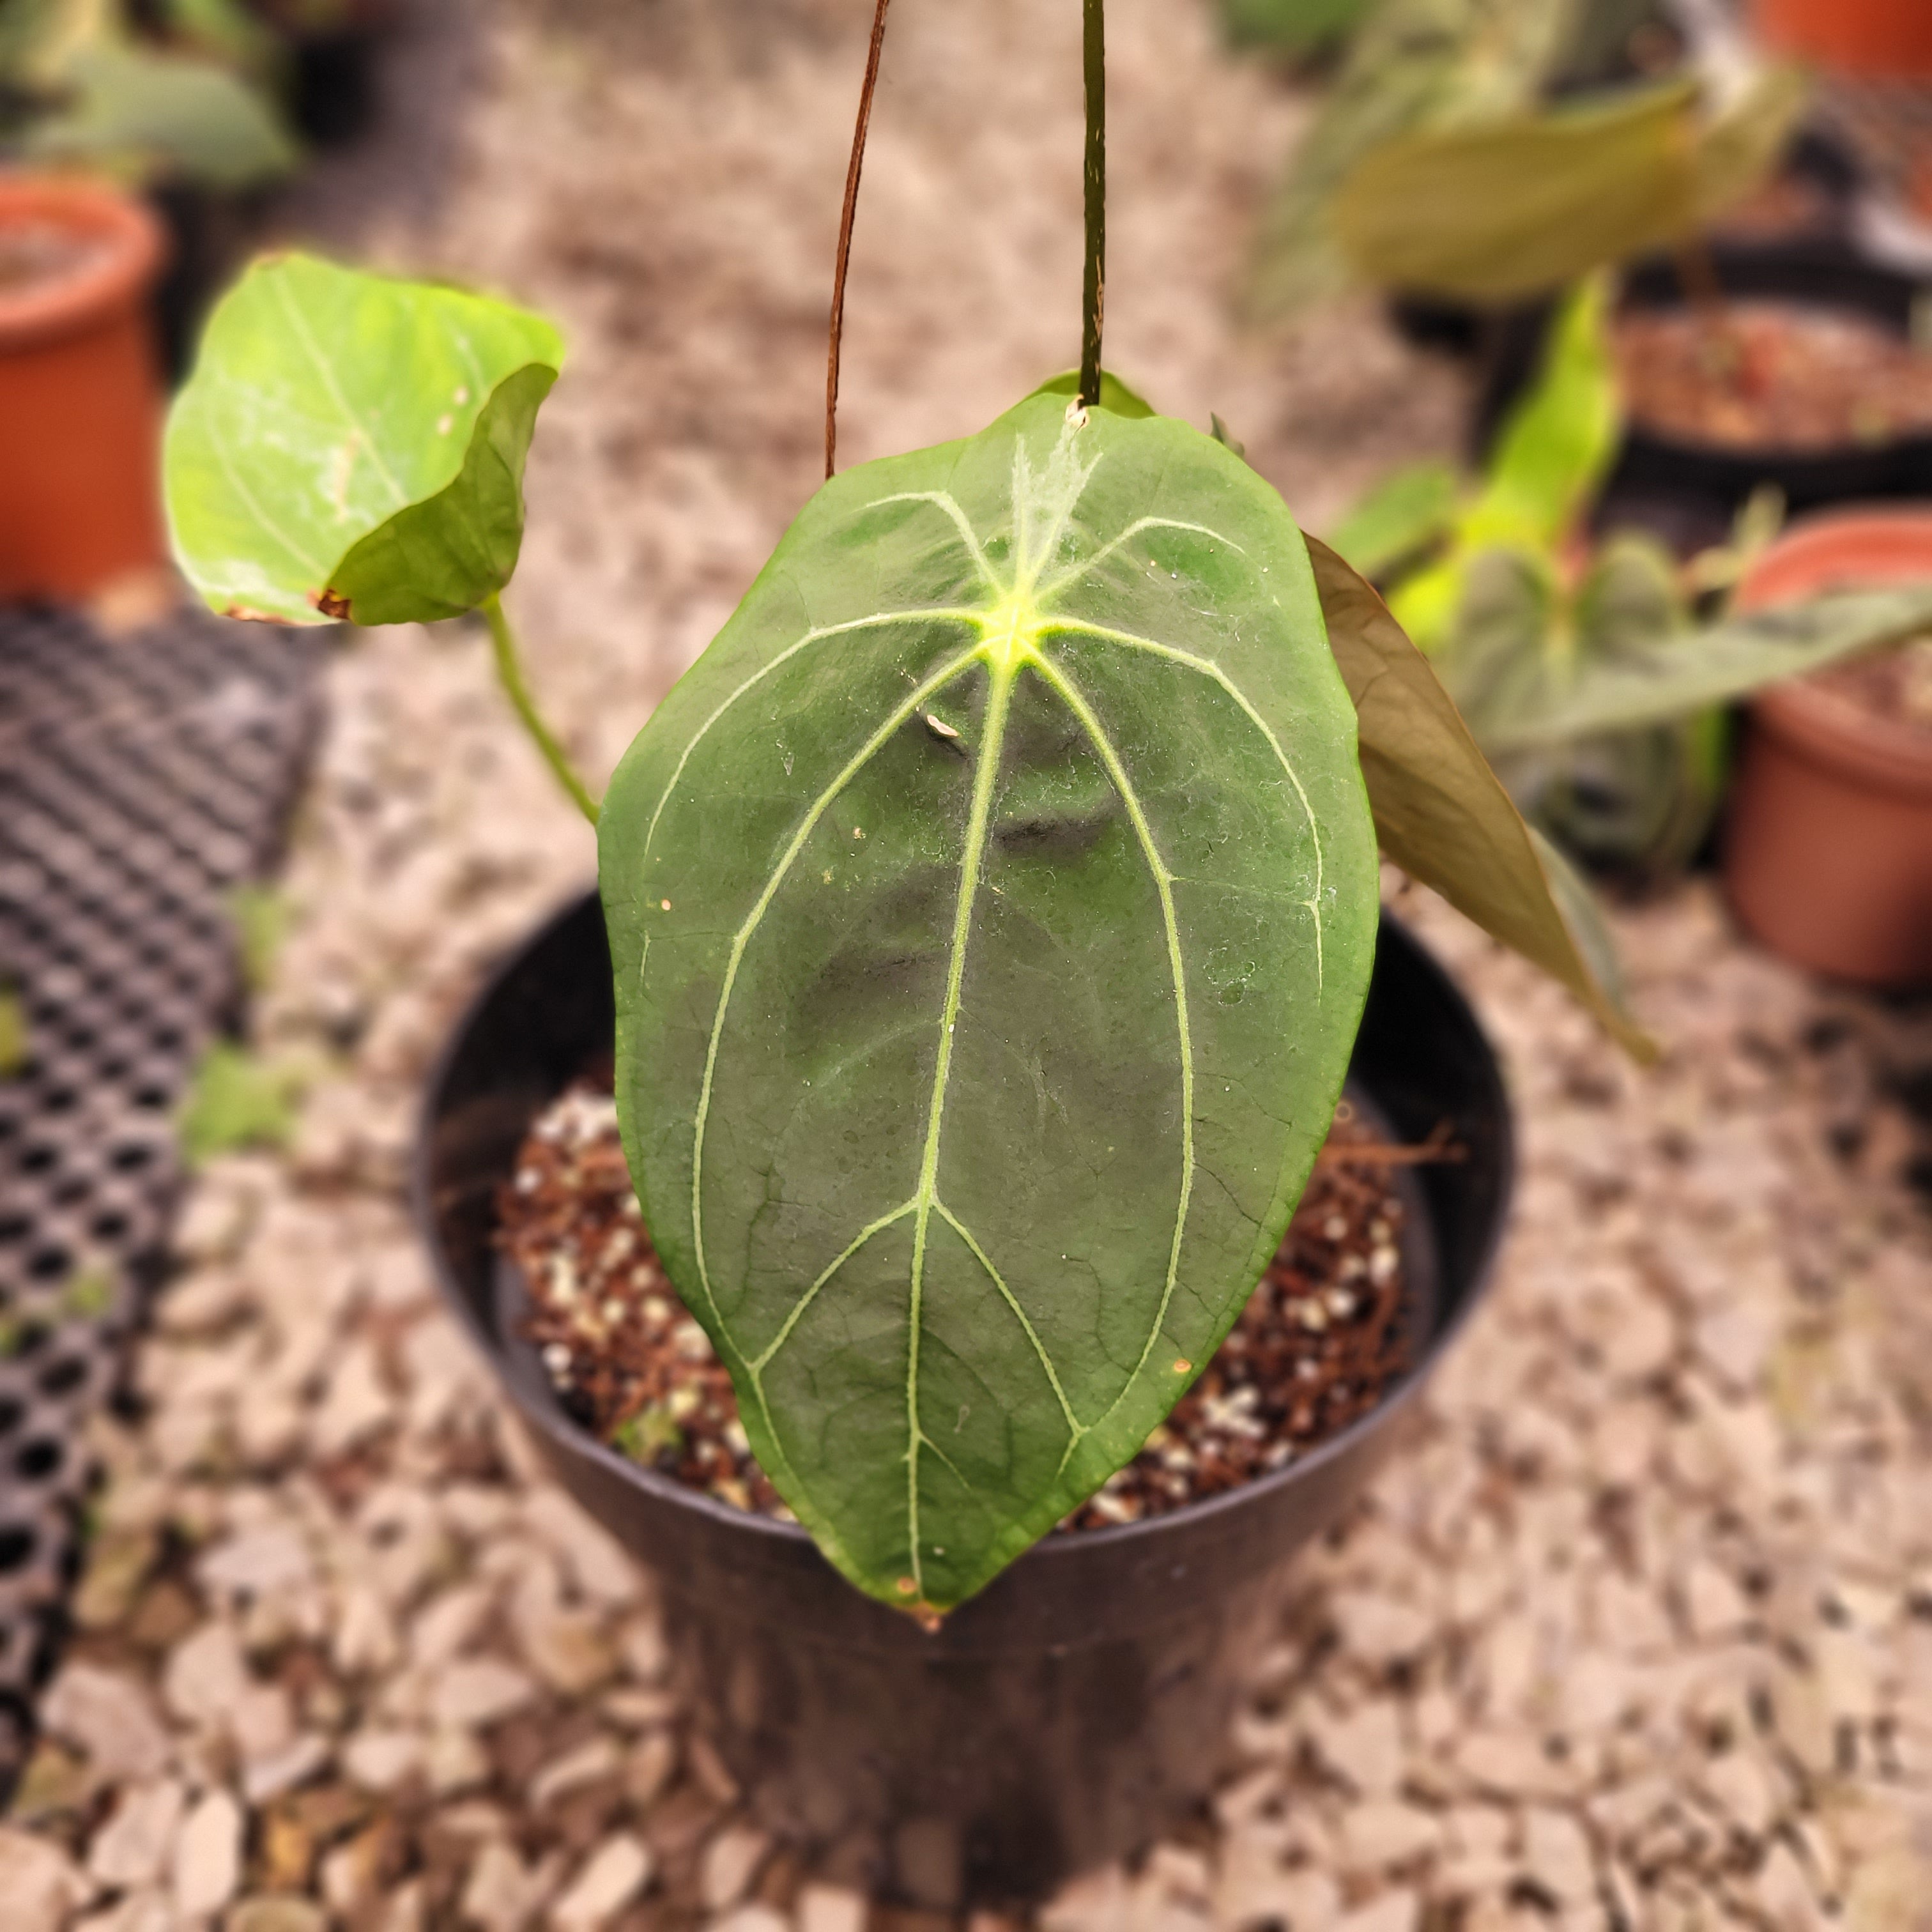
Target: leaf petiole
(510, 675)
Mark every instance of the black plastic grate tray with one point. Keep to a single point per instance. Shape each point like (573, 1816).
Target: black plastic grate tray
(142, 779)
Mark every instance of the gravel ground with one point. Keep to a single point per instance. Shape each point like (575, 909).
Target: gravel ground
(1639, 1632)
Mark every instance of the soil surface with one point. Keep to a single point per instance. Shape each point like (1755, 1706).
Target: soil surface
(1894, 684)
(1315, 1349)
(1770, 375)
(37, 254)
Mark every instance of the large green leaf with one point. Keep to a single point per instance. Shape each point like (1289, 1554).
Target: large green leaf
(992, 907)
(1557, 444)
(1444, 816)
(350, 446)
(1662, 676)
(1413, 64)
(167, 113)
(1523, 204)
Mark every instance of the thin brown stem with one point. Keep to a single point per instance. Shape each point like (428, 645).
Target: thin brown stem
(853, 171)
(1093, 293)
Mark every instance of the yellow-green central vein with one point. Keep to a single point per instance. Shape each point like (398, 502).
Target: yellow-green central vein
(992, 737)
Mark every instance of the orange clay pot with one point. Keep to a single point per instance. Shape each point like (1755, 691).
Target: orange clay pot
(80, 397)
(1828, 853)
(1875, 37)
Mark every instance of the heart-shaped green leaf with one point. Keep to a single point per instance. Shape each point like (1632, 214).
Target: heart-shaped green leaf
(1443, 815)
(992, 907)
(352, 446)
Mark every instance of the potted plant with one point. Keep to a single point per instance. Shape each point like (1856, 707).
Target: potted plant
(1592, 672)
(987, 922)
(1828, 856)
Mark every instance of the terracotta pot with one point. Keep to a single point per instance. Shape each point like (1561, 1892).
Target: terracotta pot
(80, 397)
(1886, 38)
(1829, 854)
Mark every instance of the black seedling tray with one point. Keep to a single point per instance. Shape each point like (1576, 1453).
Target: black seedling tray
(142, 779)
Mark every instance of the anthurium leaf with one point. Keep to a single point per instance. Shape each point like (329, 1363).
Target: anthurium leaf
(170, 113)
(351, 445)
(992, 907)
(1497, 211)
(1443, 815)
(1402, 516)
(1114, 394)
(1682, 672)
(1557, 444)
(1412, 64)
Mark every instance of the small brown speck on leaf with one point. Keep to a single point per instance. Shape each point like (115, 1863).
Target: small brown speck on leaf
(331, 603)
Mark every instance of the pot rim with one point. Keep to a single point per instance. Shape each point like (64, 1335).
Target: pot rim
(69, 304)
(1052, 1545)
(1865, 543)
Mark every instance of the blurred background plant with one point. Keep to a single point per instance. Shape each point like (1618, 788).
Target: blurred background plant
(1593, 672)
(178, 92)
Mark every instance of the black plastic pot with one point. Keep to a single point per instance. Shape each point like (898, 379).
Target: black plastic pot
(1656, 466)
(1065, 1715)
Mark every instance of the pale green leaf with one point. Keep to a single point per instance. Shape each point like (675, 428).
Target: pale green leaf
(350, 446)
(992, 907)
(1291, 26)
(235, 1101)
(1414, 63)
(1443, 815)
(1513, 208)
(1399, 518)
(1675, 673)
(167, 113)
(1557, 445)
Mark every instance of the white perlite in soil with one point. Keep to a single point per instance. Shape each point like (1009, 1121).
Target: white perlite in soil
(1637, 1633)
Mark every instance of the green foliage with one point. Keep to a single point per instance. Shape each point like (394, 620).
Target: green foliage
(1413, 64)
(992, 906)
(352, 446)
(261, 916)
(1513, 207)
(237, 1101)
(1550, 456)
(649, 1434)
(97, 95)
(15, 1037)
(1409, 513)
(1571, 672)
(1291, 26)
(132, 108)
